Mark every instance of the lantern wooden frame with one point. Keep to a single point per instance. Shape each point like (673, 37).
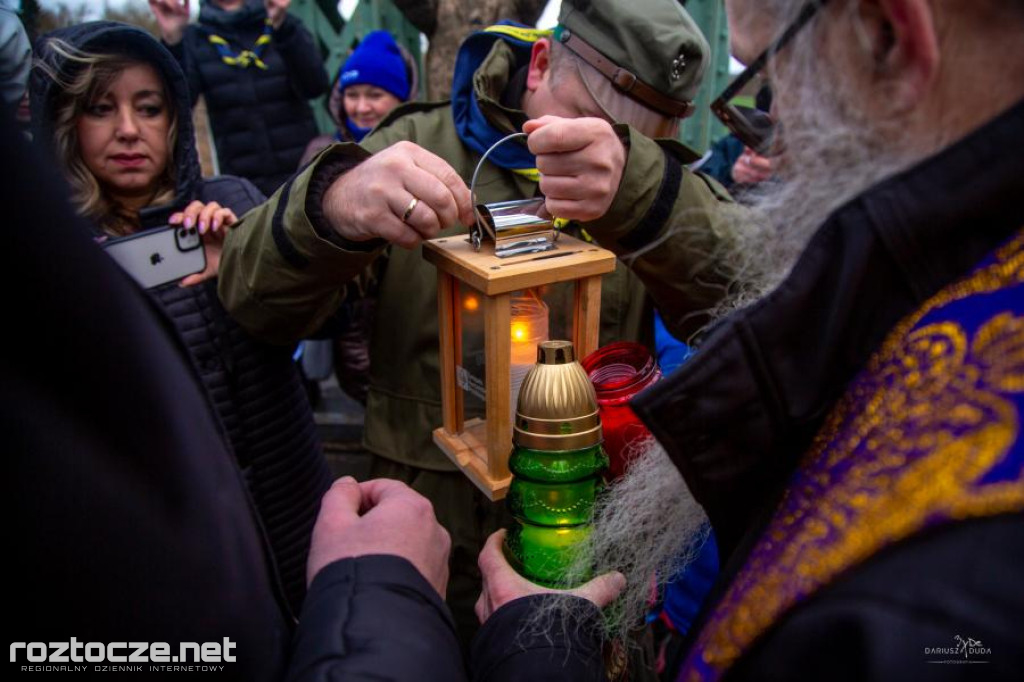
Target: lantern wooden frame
(481, 447)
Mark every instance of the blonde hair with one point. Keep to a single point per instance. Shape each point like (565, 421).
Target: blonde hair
(81, 78)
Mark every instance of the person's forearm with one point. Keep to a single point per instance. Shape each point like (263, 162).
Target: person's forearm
(374, 617)
(510, 646)
(282, 270)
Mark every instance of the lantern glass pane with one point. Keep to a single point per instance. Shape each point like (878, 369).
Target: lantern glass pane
(471, 375)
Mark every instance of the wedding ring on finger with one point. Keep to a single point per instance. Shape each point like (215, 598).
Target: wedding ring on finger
(409, 209)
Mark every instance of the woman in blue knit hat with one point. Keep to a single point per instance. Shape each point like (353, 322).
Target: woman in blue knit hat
(373, 81)
(377, 77)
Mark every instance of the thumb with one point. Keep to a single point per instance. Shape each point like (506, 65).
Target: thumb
(343, 500)
(535, 124)
(603, 589)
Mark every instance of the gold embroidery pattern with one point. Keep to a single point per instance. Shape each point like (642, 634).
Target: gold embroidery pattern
(908, 445)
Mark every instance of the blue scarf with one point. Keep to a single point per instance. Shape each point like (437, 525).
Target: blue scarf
(473, 128)
(357, 133)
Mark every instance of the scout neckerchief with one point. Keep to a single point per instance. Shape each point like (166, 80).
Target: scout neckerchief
(244, 58)
(473, 128)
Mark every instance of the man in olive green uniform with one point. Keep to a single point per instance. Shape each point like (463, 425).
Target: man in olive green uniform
(284, 267)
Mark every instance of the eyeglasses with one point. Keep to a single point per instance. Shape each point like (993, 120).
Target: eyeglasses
(754, 127)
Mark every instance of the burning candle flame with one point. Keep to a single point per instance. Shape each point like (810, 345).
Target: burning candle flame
(520, 332)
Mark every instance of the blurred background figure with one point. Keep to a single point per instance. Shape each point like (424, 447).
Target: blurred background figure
(734, 164)
(256, 67)
(378, 76)
(373, 81)
(112, 104)
(15, 60)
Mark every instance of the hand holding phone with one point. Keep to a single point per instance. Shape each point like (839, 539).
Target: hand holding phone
(213, 221)
(160, 255)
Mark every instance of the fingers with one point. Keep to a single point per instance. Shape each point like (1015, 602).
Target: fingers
(341, 503)
(491, 557)
(481, 608)
(206, 216)
(209, 217)
(456, 190)
(554, 135)
(223, 217)
(437, 207)
(372, 200)
(189, 216)
(495, 569)
(379, 489)
(581, 162)
(535, 124)
(602, 590)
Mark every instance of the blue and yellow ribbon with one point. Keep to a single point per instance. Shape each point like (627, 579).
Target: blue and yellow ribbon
(244, 58)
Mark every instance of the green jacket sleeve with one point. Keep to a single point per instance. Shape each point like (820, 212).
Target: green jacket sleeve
(283, 269)
(669, 225)
(280, 277)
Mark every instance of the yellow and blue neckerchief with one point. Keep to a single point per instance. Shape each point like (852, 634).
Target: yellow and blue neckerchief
(473, 128)
(245, 58)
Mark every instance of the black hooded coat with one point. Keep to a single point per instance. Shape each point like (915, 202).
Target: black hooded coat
(254, 386)
(261, 118)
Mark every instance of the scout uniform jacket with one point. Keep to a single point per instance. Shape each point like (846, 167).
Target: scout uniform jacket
(283, 269)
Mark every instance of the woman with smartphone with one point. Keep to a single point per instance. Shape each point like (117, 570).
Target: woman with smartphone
(113, 106)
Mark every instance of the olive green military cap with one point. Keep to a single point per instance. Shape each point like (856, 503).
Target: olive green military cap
(650, 50)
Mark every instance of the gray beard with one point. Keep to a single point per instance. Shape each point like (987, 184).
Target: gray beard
(835, 151)
(648, 526)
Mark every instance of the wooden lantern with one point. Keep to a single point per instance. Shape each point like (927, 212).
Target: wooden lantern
(481, 447)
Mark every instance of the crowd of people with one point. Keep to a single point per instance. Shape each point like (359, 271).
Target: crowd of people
(848, 423)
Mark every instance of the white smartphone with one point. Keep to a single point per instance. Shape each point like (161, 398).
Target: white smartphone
(160, 255)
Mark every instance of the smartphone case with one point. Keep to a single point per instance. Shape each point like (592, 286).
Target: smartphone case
(160, 255)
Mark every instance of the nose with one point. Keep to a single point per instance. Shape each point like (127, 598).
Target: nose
(363, 105)
(127, 125)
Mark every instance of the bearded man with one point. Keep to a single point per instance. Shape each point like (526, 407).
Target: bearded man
(852, 428)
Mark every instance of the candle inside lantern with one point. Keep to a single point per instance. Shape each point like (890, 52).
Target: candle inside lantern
(529, 328)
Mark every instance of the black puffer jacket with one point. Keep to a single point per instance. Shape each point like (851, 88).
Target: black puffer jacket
(261, 119)
(254, 386)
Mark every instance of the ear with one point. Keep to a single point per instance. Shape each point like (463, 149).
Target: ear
(540, 64)
(905, 48)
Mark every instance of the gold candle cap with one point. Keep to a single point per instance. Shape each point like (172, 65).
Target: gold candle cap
(557, 408)
(555, 353)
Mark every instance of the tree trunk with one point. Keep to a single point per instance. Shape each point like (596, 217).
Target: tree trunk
(447, 22)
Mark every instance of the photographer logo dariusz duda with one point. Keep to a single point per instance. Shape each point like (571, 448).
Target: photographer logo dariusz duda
(964, 650)
(122, 656)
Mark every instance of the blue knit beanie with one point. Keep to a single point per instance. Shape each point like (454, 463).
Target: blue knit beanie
(378, 62)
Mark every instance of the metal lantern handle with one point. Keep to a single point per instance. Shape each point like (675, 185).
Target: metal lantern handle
(475, 235)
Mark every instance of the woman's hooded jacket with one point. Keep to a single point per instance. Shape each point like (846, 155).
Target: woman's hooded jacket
(254, 387)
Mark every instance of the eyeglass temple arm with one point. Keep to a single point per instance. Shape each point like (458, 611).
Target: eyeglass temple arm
(806, 14)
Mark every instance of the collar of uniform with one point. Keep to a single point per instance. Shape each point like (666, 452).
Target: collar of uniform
(736, 418)
(490, 81)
